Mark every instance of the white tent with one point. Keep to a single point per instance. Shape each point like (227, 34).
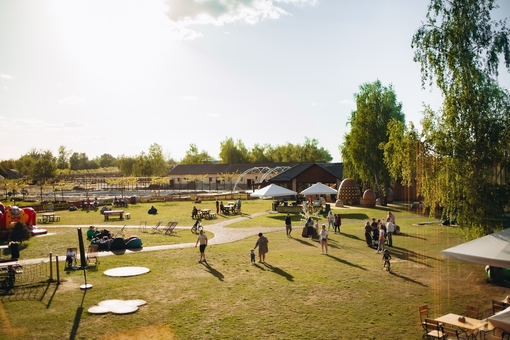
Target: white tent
(318, 189)
(273, 190)
(501, 320)
(492, 250)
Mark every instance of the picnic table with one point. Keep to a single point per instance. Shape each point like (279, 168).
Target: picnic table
(108, 213)
(48, 217)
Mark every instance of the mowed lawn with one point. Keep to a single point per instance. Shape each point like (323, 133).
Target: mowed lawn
(297, 294)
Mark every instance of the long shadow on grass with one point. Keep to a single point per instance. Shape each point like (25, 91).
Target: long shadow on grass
(408, 279)
(409, 255)
(77, 318)
(413, 236)
(213, 271)
(345, 262)
(276, 270)
(306, 243)
(354, 237)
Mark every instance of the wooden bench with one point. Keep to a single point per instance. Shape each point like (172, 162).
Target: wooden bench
(56, 218)
(109, 213)
(212, 215)
(127, 216)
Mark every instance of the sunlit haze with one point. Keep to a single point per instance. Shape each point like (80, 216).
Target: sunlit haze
(117, 76)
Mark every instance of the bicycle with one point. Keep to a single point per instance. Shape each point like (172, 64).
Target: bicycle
(195, 229)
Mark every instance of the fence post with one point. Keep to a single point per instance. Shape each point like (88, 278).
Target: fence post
(51, 266)
(58, 270)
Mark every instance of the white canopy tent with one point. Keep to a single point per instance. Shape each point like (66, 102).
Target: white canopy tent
(318, 189)
(492, 250)
(273, 190)
(501, 320)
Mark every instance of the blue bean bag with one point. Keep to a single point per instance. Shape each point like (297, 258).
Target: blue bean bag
(134, 242)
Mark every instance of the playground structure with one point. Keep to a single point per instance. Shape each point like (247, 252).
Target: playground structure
(11, 214)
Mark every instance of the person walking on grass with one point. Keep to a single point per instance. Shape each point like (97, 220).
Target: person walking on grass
(202, 238)
(382, 239)
(288, 225)
(263, 248)
(331, 220)
(323, 238)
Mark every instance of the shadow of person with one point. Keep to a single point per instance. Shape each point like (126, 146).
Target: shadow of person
(213, 271)
(279, 271)
(345, 262)
(308, 242)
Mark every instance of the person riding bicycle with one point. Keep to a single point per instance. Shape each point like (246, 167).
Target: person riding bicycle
(196, 226)
(386, 260)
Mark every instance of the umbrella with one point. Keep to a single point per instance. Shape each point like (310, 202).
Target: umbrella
(318, 189)
(273, 190)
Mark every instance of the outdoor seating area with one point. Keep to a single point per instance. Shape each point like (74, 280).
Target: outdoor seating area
(468, 325)
(48, 217)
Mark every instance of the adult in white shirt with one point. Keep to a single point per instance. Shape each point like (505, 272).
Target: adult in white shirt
(390, 228)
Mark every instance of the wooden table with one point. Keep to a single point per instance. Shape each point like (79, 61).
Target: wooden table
(471, 326)
(205, 213)
(48, 217)
(109, 213)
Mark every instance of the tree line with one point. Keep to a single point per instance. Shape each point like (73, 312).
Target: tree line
(43, 165)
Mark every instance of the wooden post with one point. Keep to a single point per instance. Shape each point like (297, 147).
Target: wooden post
(51, 267)
(58, 269)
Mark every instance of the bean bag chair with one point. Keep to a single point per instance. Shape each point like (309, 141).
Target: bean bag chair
(118, 244)
(134, 243)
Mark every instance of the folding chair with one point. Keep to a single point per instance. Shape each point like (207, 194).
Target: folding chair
(92, 254)
(452, 333)
(472, 312)
(498, 306)
(121, 232)
(143, 225)
(170, 228)
(156, 227)
(433, 329)
(424, 313)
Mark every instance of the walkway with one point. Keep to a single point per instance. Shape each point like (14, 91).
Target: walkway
(221, 235)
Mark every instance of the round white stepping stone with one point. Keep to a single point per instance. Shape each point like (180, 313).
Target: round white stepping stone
(126, 271)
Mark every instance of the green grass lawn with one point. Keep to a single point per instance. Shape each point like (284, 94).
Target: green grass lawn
(298, 294)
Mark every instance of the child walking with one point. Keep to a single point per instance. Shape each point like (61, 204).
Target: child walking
(252, 256)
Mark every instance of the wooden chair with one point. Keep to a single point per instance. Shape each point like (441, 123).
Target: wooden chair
(498, 306)
(156, 227)
(433, 329)
(451, 333)
(496, 334)
(92, 254)
(472, 312)
(424, 313)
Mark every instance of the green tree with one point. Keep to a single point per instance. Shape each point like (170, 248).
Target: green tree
(106, 161)
(78, 161)
(63, 158)
(258, 154)
(362, 154)
(126, 165)
(44, 169)
(157, 160)
(193, 156)
(459, 47)
(233, 152)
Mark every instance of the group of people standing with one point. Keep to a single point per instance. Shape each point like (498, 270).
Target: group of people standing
(334, 220)
(380, 231)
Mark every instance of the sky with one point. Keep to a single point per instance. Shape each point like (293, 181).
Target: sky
(116, 76)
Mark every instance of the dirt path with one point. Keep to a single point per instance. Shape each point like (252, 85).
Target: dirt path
(221, 235)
